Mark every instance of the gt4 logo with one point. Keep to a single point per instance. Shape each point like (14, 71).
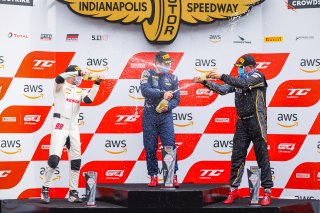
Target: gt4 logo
(114, 173)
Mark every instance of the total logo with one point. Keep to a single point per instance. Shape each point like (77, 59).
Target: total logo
(15, 35)
(56, 174)
(31, 119)
(310, 65)
(223, 146)
(205, 65)
(10, 147)
(183, 119)
(216, 38)
(286, 147)
(114, 174)
(33, 91)
(287, 120)
(115, 146)
(97, 64)
(135, 93)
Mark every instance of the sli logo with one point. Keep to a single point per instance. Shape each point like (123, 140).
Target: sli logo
(183, 119)
(115, 146)
(135, 93)
(161, 20)
(99, 37)
(99, 64)
(222, 146)
(215, 38)
(287, 120)
(205, 65)
(310, 65)
(10, 147)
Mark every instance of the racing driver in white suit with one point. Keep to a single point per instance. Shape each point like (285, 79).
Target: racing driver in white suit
(65, 129)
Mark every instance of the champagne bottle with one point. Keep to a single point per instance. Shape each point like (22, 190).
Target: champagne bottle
(90, 77)
(162, 103)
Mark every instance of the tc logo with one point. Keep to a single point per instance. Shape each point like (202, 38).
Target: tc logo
(300, 92)
(211, 172)
(40, 64)
(4, 173)
(127, 118)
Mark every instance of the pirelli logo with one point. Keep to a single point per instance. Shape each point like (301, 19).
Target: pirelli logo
(273, 39)
(160, 19)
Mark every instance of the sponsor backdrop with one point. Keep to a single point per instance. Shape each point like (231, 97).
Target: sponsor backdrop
(40, 38)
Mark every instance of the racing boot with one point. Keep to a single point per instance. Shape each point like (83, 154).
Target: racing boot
(233, 194)
(175, 181)
(74, 197)
(153, 181)
(45, 195)
(266, 197)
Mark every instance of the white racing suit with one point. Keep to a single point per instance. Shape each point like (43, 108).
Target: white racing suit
(65, 129)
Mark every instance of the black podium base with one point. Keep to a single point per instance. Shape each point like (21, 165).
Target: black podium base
(132, 198)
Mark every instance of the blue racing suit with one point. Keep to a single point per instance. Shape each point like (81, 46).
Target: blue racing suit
(154, 124)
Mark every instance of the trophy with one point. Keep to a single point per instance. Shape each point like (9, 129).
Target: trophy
(91, 184)
(168, 163)
(254, 176)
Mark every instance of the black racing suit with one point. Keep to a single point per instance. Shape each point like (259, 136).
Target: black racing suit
(250, 96)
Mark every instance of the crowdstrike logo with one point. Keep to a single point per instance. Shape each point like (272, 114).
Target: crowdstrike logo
(303, 4)
(18, 2)
(161, 20)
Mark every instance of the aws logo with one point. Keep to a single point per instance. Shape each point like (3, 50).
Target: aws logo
(205, 65)
(115, 146)
(10, 147)
(183, 119)
(222, 146)
(135, 93)
(287, 120)
(318, 147)
(215, 38)
(1, 62)
(310, 65)
(160, 19)
(97, 64)
(56, 174)
(81, 121)
(33, 91)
